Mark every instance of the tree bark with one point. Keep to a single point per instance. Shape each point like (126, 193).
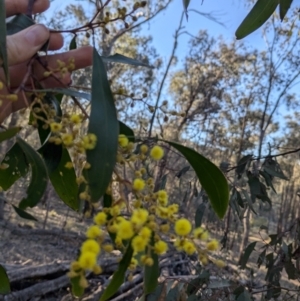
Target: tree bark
(246, 230)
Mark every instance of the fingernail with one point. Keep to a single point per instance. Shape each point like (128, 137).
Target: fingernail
(37, 35)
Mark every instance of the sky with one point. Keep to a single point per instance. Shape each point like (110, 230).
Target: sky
(230, 13)
(162, 28)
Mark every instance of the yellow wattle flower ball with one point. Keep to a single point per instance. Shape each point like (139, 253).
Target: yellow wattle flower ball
(203, 259)
(183, 227)
(87, 260)
(220, 263)
(138, 184)
(90, 245)
(123, 140)
(75, 118)
(145, 233)
(93, 232)
(108, 248)
(55, 127)
(97, 270)
(139, 217)
(139, 244)
(149, 261)
(213, 245)
(173, 208)
(125, 230)
(143, 148)
(156, 152)
(100, 218)
(189, 247)
(67, 139)
(160, 247)
(164, 228)
(89, 141)
(133, 264)
(162, 196)
(69, 165)
(200, 233)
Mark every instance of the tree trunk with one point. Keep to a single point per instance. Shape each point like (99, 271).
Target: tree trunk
(246, 230)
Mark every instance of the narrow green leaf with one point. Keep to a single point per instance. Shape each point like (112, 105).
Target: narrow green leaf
(127, 131)
(151, 273)
(244, 296)
(119, 58)
(173, 294)
(9, 133)
(273, 169)
(246, 254)
(38, 182)
(192, 298)
(68, 92)
(268, 179)
(119, 276)
(241, 166)
(104, 124)
(248, 200)
(259, 14)
(182, 171)
(284, 6)
(4, 281)
(3, 49)
(198, 282)
(156, 295)
(254, 185)
(73, 44)
(220, 284)
(261, 258)
(18, 23)
(238, 290)
(17, 167)
(24, 214)
(51, 154)
(210, 176)
(77, 289)
(186, 4)
(64, 182)
(239, 199)
(163, 182)
(199, 214)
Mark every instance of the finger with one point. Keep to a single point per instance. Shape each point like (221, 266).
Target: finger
(56, 41)
(24, 44)
(14, 7)
(83, 57)
(57, 81)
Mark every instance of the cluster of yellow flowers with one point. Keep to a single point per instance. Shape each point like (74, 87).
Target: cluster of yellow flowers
(62, 68)
(10, 97)
(150, 223)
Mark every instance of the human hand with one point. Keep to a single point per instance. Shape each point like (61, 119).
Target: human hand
(21, 48)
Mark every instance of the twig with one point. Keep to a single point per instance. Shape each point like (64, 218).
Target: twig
(266, 157)
(128, 293)
(30, 8)
(166, 73)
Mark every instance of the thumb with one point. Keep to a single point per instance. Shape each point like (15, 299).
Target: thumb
(24, 44)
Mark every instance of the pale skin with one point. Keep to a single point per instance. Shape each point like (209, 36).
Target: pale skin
(22, 47)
